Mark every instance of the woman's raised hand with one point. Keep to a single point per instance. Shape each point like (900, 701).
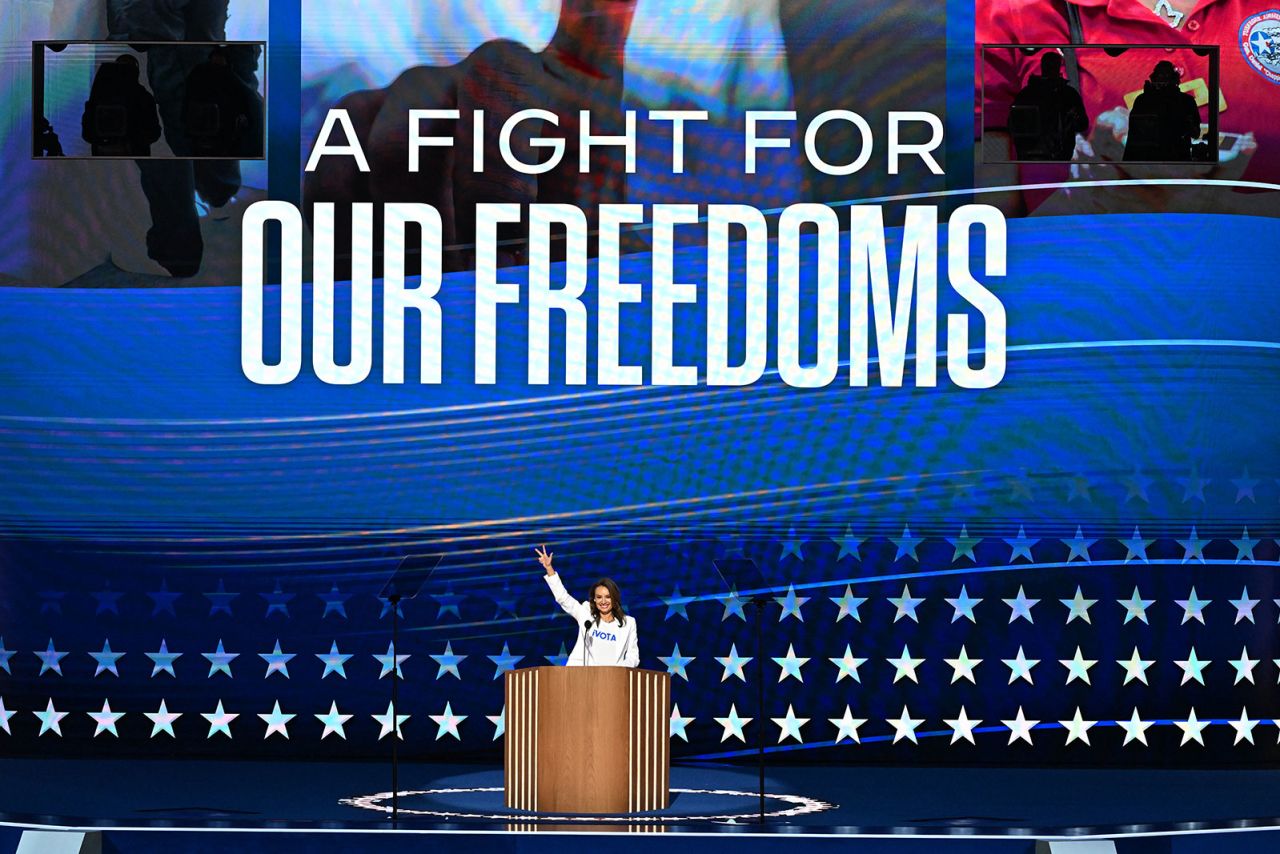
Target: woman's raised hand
(544, 558)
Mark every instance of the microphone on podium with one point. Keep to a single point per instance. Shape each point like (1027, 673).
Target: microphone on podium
(586, 640)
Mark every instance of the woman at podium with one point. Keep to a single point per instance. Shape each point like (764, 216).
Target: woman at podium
(606, 635)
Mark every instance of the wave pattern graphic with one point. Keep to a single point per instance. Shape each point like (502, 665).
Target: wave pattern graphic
(127, 409)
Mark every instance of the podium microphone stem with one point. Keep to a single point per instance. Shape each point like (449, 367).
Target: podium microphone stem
(760, 718)
(395, 710)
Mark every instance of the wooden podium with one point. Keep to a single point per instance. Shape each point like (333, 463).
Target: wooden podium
(587, 740)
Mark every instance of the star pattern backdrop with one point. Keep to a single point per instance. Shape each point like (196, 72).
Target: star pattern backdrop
(1135, 642)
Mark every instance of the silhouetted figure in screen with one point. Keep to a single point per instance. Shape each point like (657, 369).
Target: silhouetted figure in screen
(120, 117)
(1047, 114)
(222, 115)
(1164, 119)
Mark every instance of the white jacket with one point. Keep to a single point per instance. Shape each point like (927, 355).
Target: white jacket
(606, 643)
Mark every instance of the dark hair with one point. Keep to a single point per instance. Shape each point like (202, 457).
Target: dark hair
(130, 62)
(1165, 72)
(615, 595)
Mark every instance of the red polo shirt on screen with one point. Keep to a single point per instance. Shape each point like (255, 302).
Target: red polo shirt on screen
(1247, 33)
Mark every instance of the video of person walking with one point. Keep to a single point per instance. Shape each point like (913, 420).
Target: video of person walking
(145, 100)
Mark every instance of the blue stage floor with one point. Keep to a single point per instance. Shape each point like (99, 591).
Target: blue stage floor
(1004, 808)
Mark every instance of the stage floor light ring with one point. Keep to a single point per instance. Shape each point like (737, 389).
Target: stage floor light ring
(797, 805)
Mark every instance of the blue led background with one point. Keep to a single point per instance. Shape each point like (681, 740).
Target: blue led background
(1124, 407)
(156, 501)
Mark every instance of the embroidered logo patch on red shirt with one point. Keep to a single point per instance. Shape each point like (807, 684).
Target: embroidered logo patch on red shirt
(1260, 43)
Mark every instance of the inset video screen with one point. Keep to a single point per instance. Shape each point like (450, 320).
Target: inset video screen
(144, 100)
(1041, 103)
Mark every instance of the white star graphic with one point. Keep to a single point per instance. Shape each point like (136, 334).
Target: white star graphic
(1021, 546)
(791, 664)
(385, 720)
(1135, 729)
(791, 604)
(1079, 606)
(447, 722)
(1077, 728)
(1245, 546)
(962, 727)
(963, 606)
(679, 723)
(391, 661)
(1192, 729)
(1078, 667)
(1135, 668)
(849, 604)
(906, 544)
(1193, 546)
(1020, 667)
(1243, 727)
(848, 544)
(790, 726)
(1021, 606)
(219, 721)
(1244, 606)
(848, 726)
(333, 721)
(499, 722)
(1244, 666)
(1135, 606)
(733, 664)
(905, 604)
(1192, 668)
(848, 665)
(1079, 546)
(1020, 728)
(5, 714)
(905, 726)
(162, 720)
(963, 666)
(1193, 607)
(733, 724)
(277, 721)
(964, 545)
(50, 719)
(1136, 546)
(277, 661)
(905, 665)
(106, 720)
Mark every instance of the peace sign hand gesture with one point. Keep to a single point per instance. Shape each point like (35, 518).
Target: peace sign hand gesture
(544, 558)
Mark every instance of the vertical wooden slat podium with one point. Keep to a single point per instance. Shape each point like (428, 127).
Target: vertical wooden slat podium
(587, 740)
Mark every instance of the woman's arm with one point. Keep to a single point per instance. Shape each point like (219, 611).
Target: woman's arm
(571, 606)
(631, 655)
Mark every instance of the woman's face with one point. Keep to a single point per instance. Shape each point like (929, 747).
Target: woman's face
(604, 602)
